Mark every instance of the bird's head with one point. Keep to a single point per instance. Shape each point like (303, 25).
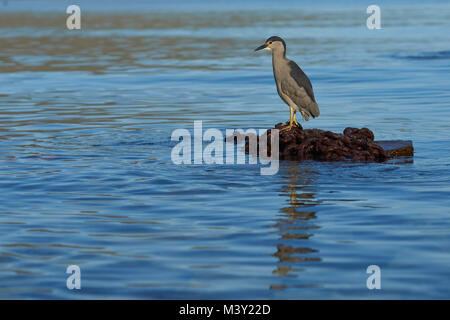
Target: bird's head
(273, 43)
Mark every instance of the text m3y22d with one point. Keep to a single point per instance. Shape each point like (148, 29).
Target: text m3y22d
(246, 309)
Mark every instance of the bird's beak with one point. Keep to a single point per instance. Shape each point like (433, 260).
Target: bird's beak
(261, 47)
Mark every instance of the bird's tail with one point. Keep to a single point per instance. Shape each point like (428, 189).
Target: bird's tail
(311, 111)
(314, 109)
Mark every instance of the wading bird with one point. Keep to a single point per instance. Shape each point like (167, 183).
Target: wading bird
(293, 85)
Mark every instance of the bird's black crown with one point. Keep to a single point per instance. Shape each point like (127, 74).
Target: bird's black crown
(276, 38)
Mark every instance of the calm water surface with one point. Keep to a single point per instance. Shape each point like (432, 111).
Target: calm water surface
(86, 176)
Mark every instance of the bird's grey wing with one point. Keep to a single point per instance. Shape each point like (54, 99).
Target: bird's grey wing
(301, 79)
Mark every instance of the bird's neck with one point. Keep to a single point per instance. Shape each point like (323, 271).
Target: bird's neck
(278, 55)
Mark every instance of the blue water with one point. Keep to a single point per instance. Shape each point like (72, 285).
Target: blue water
(86, 175)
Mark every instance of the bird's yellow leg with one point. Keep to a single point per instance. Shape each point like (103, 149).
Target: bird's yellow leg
(295, 121)
(291, 120)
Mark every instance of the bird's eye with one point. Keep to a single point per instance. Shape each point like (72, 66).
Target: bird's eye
(270, 42)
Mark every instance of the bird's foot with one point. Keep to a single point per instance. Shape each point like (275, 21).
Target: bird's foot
(289, 125)
(286, 128)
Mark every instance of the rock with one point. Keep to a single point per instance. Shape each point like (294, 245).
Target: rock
(315, 144)
(397, 148)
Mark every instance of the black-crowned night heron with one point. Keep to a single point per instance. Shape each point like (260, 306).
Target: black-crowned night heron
(293, 85)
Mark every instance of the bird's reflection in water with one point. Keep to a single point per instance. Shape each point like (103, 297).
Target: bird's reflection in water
(295, 224)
